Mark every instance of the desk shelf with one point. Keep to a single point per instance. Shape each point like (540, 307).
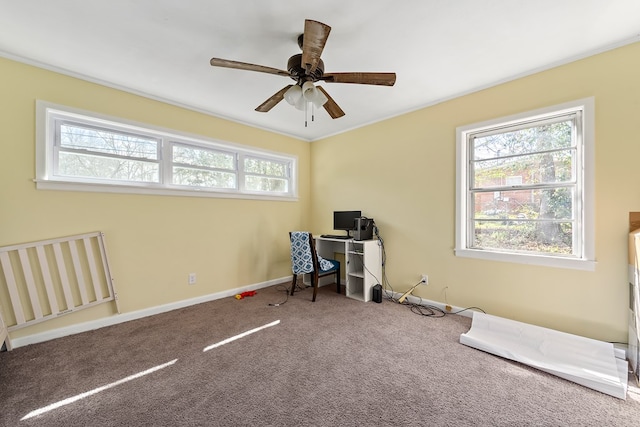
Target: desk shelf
(363, 260)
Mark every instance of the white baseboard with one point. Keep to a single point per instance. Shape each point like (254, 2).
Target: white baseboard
(125, 317)
(421, 301)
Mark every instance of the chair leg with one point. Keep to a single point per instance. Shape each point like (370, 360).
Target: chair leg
(293, 283)
(338, 280)
(315, 286)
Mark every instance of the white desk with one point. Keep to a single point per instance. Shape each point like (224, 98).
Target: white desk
(363, 259)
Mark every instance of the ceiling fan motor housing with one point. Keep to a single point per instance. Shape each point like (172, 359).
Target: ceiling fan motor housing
(298, 72)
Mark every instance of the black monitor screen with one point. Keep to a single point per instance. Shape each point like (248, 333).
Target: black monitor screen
(345, 220)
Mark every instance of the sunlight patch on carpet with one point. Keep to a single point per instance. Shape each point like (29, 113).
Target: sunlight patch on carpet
(237, 337)
(77, 397)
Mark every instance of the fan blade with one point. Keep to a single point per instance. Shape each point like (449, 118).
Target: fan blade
(313, 41)
(217, 62)
(273, 101)
(332, 108)
(384, 79)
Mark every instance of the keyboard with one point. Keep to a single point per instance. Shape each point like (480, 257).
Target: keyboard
(333, 236)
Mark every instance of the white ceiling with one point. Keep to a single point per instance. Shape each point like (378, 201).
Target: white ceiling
(439, 49)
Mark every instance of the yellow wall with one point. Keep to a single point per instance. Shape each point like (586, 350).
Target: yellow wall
(402, 171)
(154, 242)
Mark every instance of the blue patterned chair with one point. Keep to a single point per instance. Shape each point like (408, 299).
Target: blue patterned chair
(305, 260)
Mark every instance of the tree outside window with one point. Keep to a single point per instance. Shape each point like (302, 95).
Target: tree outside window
(522, 186)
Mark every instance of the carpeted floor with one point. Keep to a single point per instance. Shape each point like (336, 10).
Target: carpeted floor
(335, 362)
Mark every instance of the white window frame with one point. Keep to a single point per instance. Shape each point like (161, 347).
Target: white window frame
(585, 175)
(47, 151)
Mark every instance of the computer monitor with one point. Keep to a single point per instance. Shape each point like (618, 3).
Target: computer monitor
(345, 220)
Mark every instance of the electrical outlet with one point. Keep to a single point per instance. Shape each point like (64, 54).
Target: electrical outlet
(425, 279)
(192, 278)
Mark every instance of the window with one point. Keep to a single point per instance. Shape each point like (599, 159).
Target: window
(77, 150)
(265, 175)
(90, 152)
(525, 188)
(203, 167)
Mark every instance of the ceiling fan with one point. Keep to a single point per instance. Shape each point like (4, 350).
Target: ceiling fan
(306, 69)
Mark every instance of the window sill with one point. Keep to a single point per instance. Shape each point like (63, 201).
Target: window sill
(542, 260)
(154, 190)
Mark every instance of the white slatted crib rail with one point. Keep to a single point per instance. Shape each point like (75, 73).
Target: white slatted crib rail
(46, 279)
(3, 333)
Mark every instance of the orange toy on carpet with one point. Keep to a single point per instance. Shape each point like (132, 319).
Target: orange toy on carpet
(245, 294)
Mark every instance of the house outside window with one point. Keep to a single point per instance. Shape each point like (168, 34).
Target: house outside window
(78, 150)
(525, 188)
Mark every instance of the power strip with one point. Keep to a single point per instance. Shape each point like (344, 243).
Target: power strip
(421, 301)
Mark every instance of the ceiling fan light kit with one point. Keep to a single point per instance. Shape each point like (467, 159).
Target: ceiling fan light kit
(306, 69)
(313, 95)
(293, 95)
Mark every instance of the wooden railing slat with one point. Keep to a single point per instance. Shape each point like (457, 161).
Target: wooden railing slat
(92, 268)
(31, 285)
(73, 248)
(64, 278)
(46, 277)
(12, 288)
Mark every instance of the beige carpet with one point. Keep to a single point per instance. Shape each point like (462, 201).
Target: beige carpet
(335, 362)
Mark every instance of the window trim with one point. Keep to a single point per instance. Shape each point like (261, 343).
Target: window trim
(584, 261)
(47, 113)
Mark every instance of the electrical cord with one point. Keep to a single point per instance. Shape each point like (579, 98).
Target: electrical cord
(418, 308)
(286, 289)
(468, 308)
(433, 311)
(427, 310)
(300, 286)
(386, 285)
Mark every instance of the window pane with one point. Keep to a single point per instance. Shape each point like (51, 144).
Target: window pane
(265, 167)
(542, 168)
(524, 220)
(547, 203)
(95, 166)
(524, 141)
(257, 183)
(78, 148)
(202, 157)
(544, 237)
(203, 178)
(524, 183)
(108, 142)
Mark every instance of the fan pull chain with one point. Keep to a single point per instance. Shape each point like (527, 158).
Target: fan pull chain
(305, 113)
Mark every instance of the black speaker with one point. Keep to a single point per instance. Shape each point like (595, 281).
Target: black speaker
(377, 293)
(364, 229)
